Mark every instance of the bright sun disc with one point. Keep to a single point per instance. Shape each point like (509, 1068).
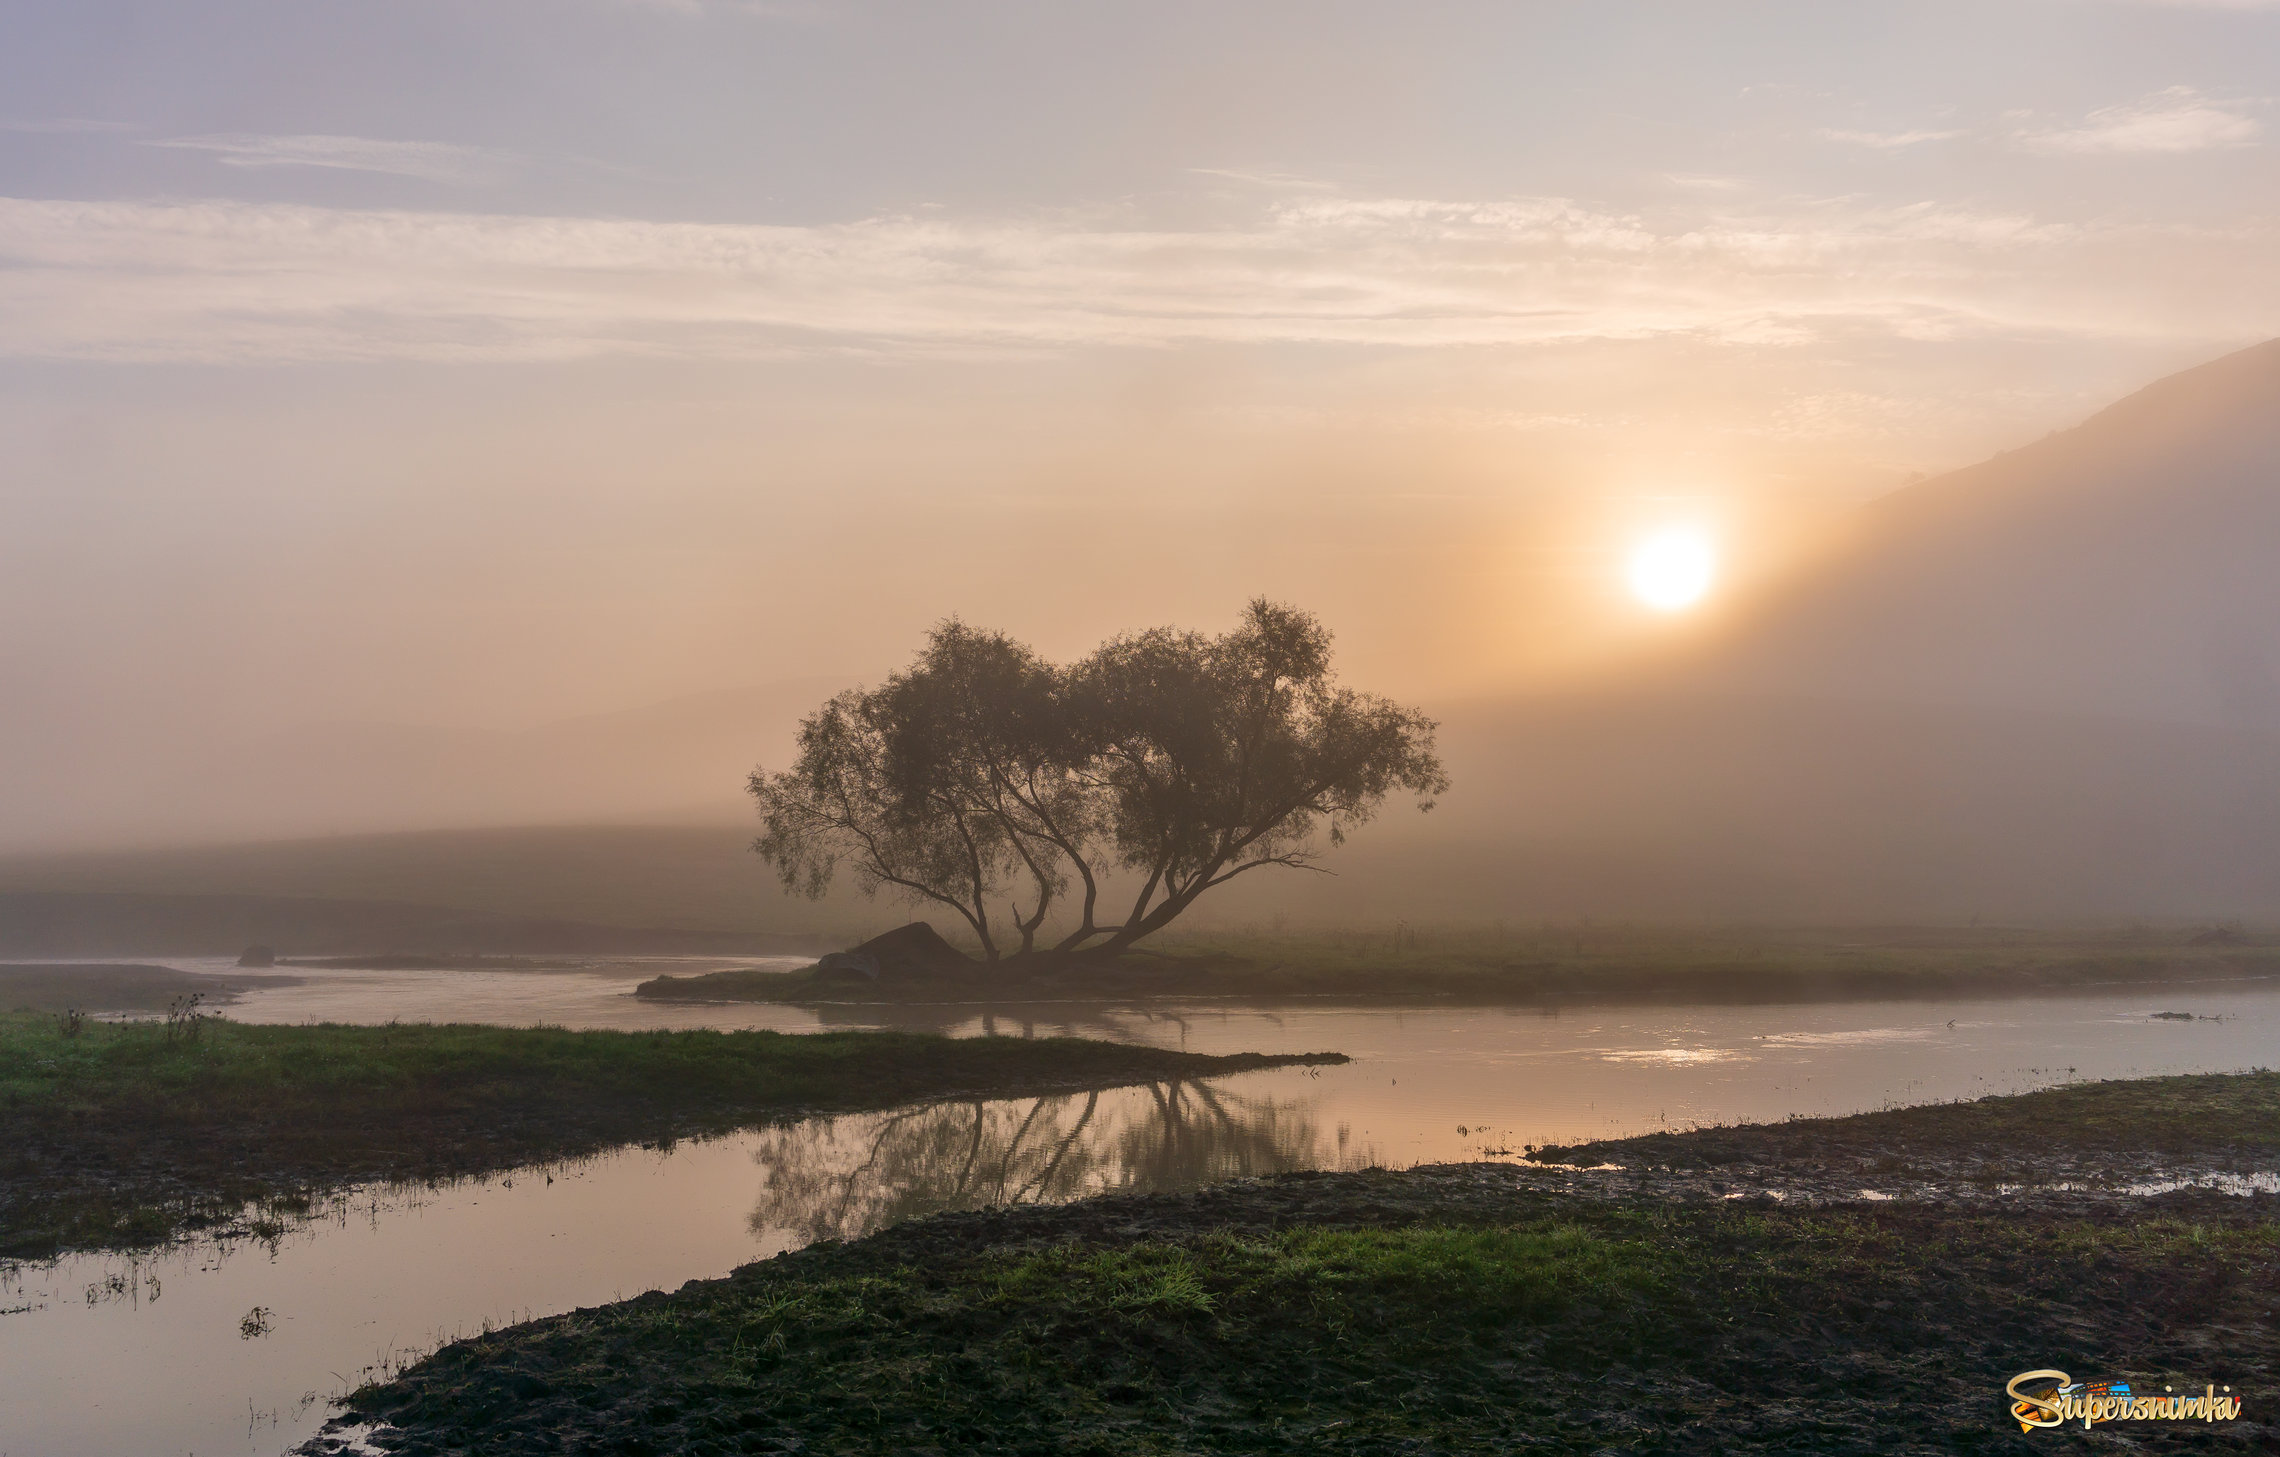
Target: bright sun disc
(1671, 571)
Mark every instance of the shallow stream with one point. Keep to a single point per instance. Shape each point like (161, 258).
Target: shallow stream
(218, 1350)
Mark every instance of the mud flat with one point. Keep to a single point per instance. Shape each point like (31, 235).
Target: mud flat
(1839, 1285)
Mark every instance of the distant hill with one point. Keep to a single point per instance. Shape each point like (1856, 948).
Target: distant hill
(2121, 569)
(1798, 810)
(691, 878)
(62, 923)
(2046, 685)
(686, 758)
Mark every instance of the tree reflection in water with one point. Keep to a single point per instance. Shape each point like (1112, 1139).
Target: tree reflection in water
(844, 1177)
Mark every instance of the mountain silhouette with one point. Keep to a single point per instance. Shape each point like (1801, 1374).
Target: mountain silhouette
(2123, 568)
(2044, 685)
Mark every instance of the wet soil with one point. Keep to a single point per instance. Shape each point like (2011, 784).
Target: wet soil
(2142, 1135)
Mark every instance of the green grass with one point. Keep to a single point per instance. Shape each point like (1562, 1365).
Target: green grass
(1649, 962)
(129, 1132)
(1671, 1329)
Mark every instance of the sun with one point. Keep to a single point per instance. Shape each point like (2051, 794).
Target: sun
(1672, 570)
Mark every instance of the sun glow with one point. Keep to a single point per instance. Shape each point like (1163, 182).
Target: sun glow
(1672, 570)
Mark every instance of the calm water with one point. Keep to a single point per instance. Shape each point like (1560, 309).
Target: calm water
(112, 1356)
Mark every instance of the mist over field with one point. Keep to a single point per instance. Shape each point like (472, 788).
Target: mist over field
(2040, 687)
(382, 471)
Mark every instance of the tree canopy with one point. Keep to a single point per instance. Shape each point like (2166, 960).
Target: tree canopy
(1071, 810)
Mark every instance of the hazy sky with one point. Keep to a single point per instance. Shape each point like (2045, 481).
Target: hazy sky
(488, 361)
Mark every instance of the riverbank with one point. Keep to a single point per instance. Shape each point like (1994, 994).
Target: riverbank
(1465, 1307)
(1569, 966)
(127, 1134)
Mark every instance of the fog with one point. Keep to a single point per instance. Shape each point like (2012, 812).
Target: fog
(2040, 686)
(458, 451)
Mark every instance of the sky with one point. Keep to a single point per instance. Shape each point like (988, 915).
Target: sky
(493, 362)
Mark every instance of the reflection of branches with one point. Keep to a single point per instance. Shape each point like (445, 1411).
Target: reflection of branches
(1005, 1165)
(887, 1126)
(1044, 1180)
(1116, 1021)
(974, 1150)
(843, 1177)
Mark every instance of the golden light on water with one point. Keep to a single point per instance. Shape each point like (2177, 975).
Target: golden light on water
(1672, 570)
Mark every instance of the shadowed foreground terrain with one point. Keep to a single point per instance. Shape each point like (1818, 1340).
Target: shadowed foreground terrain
(126, 1134)
(1452, 1308)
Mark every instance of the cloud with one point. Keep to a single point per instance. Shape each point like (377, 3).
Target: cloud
(429, 161)
(2179, 119)
(224, 281)
(1888, 141)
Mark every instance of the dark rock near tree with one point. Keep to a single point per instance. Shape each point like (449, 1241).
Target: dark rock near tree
(907, 951)
(910, 956)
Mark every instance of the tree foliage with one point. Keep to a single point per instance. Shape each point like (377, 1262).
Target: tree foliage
(1070, 811)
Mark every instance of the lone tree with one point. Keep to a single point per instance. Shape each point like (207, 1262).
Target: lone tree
(1031, 799)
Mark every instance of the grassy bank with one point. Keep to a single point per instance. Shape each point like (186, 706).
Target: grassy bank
(1576, 965)
(1440, 1310)
(128, 1133)
(2219, 1119)
(126, 987)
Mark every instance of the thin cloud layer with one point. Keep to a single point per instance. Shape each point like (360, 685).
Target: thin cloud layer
(1890, 141)
(429, 161)
(2179, 119)
(223, 281)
